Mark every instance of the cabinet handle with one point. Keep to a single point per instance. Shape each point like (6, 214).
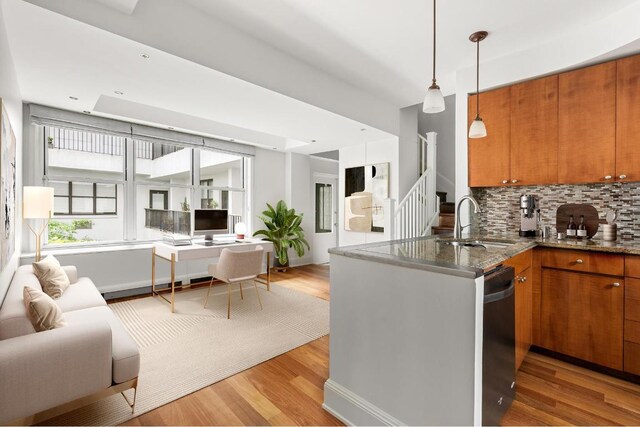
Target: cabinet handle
(622, 176)
(514, 181)
(616, 284)
(505, 181)
(608, 177)
(579, 261)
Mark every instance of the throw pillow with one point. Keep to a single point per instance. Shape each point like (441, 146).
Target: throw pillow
(52, 278)
(42, 310)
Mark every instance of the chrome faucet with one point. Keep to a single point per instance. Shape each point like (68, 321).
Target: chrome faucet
(457, 229)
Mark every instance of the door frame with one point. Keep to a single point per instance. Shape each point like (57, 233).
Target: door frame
(326, 178)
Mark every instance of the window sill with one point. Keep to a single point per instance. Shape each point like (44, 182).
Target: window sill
(93, 249)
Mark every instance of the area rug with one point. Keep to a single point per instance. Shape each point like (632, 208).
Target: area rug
(195, 347)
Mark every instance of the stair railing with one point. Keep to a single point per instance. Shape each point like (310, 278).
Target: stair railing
(420, 209)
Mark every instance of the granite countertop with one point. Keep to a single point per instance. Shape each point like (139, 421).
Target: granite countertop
(435, 253)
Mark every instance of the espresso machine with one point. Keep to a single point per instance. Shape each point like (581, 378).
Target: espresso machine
(529, 215)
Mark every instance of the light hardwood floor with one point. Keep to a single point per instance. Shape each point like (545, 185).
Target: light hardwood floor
(288, 389)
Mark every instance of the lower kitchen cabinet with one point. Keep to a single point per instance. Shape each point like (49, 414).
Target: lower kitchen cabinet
(524, 314)
(582, 315)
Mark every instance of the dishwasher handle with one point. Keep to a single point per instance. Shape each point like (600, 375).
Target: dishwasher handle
(499, 284)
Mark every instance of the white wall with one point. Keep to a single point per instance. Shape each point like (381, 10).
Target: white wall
(268, 182)
(300, 194)
(408, 150)
(444, 124)
(361, 155)
(300, 198)
(10, 94)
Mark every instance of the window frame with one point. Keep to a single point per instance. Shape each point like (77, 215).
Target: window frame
(129, 196)
(94, 197)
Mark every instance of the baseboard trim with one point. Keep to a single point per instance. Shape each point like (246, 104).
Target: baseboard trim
(352, 409)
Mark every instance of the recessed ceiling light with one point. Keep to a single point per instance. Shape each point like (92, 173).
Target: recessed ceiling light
(363, 129)
(118, 92)
(87, 112)
(73, 97)
(313, 140)
(232, 140)
(145, 55)
(275, 148)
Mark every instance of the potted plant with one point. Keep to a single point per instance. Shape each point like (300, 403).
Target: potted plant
(284, 231)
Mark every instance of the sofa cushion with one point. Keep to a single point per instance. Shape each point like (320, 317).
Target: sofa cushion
(42, 310)
(13, 316)
(126, 356)
(52, 277)
(82, 294)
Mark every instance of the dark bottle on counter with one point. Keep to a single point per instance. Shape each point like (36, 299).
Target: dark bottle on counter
(571, 228)
(581, 233)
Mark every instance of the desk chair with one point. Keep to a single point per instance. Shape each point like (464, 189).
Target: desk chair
(236, 267)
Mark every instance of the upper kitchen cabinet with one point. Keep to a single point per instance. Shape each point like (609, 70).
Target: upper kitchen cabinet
(628, 120)
(534, 132)
(489, 159)
(587, 124)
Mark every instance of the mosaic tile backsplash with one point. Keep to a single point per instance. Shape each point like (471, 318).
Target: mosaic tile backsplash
(501, 214)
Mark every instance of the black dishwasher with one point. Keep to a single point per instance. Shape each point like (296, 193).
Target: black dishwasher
(498, 351)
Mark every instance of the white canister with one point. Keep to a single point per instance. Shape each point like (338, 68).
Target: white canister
(609, 232)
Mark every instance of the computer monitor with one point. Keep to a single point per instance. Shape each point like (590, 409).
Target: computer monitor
(210, 221)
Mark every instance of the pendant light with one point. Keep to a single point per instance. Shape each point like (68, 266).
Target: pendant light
(433, 101)
(478, 129)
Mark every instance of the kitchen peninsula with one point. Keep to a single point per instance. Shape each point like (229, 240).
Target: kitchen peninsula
(407, 320)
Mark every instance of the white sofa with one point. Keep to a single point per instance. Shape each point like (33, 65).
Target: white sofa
(47, 373)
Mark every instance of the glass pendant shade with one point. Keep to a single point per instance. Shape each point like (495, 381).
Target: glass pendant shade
(434, 101)
(477, 129)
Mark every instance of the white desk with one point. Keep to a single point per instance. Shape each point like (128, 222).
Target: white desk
(195, 251)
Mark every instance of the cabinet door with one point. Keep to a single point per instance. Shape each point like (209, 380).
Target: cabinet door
(587, 124)
(524, 314)
(489, 156)
(582, 316)
(628, 119)
(534, 132)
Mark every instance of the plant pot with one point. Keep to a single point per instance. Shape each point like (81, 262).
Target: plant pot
(279, 266)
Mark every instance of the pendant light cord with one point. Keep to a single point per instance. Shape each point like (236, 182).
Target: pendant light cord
(434, 42)
(477, 79)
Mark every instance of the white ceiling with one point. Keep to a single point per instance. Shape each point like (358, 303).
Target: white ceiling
(381, 47)
(386, 46)
(57, 57)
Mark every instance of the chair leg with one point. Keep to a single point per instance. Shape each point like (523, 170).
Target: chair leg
(229, 301)
(257, 293)
(241, 294)
(206, 299)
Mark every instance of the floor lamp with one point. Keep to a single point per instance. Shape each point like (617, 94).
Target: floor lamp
(37, 203)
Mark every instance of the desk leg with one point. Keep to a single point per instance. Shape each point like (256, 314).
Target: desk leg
(173, 280)
(153, 271)
(268, 271)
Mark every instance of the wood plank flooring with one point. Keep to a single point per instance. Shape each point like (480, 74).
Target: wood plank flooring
(288, 389)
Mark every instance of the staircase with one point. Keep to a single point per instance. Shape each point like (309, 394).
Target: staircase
(418, 212)
(447, 215)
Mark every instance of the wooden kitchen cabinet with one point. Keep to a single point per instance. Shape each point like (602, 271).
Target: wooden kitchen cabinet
(489, 157)
(582, 315)
(524, 315)
(534, 132)
(523, 303)
(628, 119)
(587, 124)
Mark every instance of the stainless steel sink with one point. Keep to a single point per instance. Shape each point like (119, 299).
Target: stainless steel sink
(486, 244)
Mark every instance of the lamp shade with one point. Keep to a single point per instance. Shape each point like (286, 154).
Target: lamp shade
(477, 129)
(37, 202)
(433, 101)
